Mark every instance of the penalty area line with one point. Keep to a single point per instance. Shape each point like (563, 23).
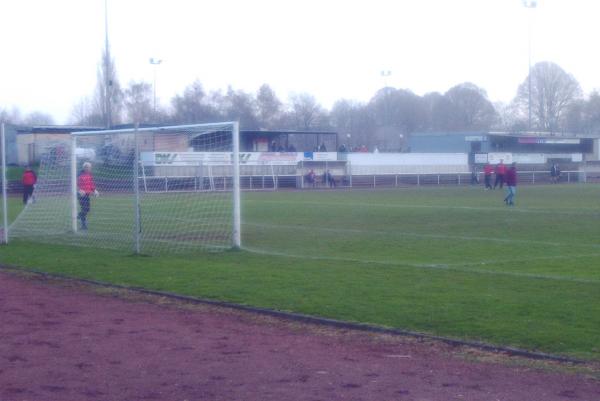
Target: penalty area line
(459, 267)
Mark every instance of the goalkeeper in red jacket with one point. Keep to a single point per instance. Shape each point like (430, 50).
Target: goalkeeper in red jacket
(29, 179)
(86, 187)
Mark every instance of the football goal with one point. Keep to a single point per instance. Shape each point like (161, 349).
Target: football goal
(107, 189)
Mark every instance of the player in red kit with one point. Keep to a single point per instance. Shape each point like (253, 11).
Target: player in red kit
(29, 179)
(85, 188)
(511, 185)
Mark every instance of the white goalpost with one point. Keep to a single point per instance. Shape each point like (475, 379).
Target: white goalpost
(99, 188)
(4, 228)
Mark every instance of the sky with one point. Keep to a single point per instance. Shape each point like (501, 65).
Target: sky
(331, 49)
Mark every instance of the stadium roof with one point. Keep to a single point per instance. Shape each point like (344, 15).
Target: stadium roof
(53, 129)
(285, 132)
(519, 134)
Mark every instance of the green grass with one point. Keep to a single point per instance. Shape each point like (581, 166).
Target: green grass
(446, 261)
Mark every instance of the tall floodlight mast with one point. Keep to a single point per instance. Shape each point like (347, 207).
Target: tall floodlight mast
(530, 5)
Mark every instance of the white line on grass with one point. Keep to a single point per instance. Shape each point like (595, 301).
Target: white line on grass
(417, 235)
(404, 206)
(459, 267)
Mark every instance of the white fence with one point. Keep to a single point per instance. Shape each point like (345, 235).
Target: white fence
(283, 181)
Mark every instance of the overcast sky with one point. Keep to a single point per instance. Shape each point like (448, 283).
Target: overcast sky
(331, 49)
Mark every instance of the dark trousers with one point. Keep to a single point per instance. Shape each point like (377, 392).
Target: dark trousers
(488, 181)
(84, 209)
(499, 180)
(27, 193)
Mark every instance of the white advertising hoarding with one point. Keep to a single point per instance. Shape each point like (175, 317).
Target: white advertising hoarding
(220, 158)
(497, 157)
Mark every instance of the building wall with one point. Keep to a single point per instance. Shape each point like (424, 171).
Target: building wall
(447, 143)
(596, 150)
(24, 148)
(171, 142)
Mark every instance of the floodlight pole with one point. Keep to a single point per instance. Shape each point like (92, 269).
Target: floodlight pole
(4, 185)
(155, 63)
(107, 82)
(385, 74)
(530, 5)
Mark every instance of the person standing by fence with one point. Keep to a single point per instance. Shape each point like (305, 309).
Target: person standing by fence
(29, 179)
(555, 173)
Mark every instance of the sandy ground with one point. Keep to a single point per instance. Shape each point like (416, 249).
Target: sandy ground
(65, 341)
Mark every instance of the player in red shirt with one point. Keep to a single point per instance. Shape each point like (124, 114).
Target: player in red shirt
(487, 176)
(511, 185)
(500, 171)
(86, 187)
(29, 179)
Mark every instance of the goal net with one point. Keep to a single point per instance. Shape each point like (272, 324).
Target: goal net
(150, 190)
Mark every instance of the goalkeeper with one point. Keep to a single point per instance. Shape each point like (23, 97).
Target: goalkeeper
(86, 187)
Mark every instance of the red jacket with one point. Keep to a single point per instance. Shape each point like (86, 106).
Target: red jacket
(511, 177)
(488, 170)
(29, 177)
(85, 182)
(501, 169)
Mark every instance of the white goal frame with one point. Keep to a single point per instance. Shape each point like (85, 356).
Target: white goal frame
(235, 131)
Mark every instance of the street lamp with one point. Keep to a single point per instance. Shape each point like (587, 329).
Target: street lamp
(385, 74)
(155, 63)
(530, 5)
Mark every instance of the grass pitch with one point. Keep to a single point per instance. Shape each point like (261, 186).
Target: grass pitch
(449, 261)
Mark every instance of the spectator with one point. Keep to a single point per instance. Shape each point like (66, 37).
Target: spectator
(322, 148)
(487, 176)
(330, 180)
(29, 179)
(500, 171)
(474, 176)
(511, 185)
(555, 173)
(311, 178)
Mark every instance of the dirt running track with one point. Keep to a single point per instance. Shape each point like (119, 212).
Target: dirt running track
(64, 341)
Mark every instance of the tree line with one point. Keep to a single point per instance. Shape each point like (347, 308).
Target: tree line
(549, 99)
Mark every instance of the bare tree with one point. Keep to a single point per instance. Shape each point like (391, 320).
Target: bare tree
(241, 106)
(306, 112)
(85, 112)
(269, 107)
(194, 105)
(38, 118)
(354, 123)
(108, 100)
(398, 112)
(552, 92)
(137, 99)
(12, 116)
(471, 107)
